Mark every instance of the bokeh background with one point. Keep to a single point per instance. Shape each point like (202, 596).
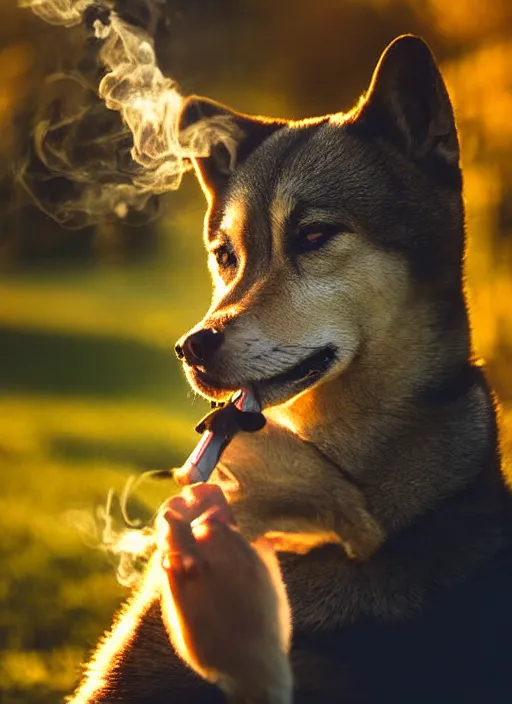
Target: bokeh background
(90, 392)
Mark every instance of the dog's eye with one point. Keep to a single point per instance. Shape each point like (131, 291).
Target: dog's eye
(224, 256)
(316, 236)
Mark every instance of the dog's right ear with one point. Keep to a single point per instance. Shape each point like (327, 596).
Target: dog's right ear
(227, 136)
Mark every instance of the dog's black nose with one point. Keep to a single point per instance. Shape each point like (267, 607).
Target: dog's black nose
(198, 348)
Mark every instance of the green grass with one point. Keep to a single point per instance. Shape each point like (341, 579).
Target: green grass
(90, 394)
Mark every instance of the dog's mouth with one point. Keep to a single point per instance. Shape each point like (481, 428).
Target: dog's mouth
(309, 369)
(294, 380)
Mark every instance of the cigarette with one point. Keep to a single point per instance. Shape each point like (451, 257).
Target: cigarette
(242, 412)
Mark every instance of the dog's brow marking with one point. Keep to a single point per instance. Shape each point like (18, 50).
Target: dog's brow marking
(280, 210)
(315, 216)
(232, 220)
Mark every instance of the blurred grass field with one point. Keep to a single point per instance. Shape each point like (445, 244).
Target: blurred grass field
(90, 394)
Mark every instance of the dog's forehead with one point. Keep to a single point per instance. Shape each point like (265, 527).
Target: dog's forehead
(316, 165)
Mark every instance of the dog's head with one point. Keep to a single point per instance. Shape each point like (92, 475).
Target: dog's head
(321, 232)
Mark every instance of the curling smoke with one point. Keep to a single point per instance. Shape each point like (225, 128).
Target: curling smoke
(131, 547)
(113, 170)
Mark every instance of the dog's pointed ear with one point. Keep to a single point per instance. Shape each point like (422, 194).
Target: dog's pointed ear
(226, 136)
(408, 104)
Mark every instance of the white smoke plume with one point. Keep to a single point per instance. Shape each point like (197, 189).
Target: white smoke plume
(132, 547)
(149, 104)
(64, 12)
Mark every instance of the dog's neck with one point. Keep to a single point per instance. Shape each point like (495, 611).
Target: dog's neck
(380, 394)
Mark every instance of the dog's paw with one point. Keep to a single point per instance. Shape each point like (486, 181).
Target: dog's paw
(358, 545)
(224, 602)
(362, 538)
(300, 543)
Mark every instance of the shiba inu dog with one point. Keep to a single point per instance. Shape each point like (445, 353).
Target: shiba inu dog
(336, 246)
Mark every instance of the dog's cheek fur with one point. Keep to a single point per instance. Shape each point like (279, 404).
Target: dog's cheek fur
(379, 287)
(355, 294)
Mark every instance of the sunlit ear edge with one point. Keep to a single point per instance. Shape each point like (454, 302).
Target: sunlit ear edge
(249, 132)
(407, 48)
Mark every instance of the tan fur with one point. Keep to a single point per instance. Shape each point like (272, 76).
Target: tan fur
(279, 497)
